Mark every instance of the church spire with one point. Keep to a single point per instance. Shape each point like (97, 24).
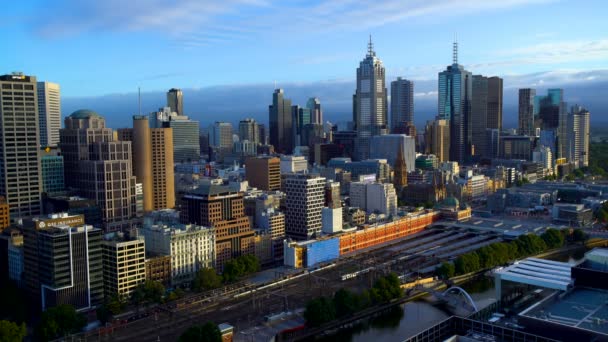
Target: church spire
(400, 171)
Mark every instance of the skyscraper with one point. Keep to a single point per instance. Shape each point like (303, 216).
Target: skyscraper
(316, 113)
(99, 167)
(175, 101)
(153, 163)
(455, 92)
(20, 181)
(437, 139)
(249, 130)
(578, 127)
(486, 111)
(402, 104)
(369, 102)
(526, 112)
(553, 116)
(49, 111)
(305, 196)
(186, 139)
(280, 120)
(301, 118)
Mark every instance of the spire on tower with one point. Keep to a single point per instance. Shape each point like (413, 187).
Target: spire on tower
(455, 50)
(370, 47)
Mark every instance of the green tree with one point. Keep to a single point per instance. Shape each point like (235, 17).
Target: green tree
(345, 302)
(208, 332)
(467, 263)
(553, 238)
(206, 279)
(319, 311)
(446, 270)
(12, 332)
(59, 321)
(579, 235)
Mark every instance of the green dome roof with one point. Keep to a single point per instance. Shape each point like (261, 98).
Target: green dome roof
(84, 114)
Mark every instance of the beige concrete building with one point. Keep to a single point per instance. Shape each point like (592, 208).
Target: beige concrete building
(264, 173)
(20, 181)
(49, 110)
(123, 264)
(437, 138)
(142, 158)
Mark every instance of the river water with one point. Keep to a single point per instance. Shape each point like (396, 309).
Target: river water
(414, 317)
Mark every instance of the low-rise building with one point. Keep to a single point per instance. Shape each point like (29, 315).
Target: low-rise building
(123, 264)
(158, 268)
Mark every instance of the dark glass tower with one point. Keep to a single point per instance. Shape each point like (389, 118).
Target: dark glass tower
(280, 119)
(402, 104)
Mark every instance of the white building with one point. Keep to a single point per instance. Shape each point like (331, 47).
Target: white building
(305, 197)
(374, 197)
(293, 164)
(332, 220)
(579, 136)
(544, 156)
(49, 113)
(387, 147)
(191, 247)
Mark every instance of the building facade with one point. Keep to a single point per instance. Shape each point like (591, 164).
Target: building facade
(175, 101)
(280, 119)
(186, 134)
(52, 173)
(123, 265)
(402, 104)
(388, 147)
(526, 112)
(20, 181)
(578, 127)
(49, 111)
(263, 173)
(305, 196)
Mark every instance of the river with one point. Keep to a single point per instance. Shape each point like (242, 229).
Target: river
(411, 318)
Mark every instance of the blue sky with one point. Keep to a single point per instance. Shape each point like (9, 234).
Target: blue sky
(95, 47)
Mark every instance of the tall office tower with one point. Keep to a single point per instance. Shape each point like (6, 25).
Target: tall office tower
(301, 117)
(124, 264)
(316, 113)
(52, 173)
(369, 102)
(186, 139)
(20, 181)
(579, 136)
(99, 167)
(263, 134)
(402, 104)
(63, 263)
(249, 130)
(49, 111)
(304, 201)
(400, 172)
(263, 173)
(455, 92)
(526, 112)
(175, 101)
(553, 115)
(495, 91)
(492, 148)
(152, 163)
(280, 120)
(220, 135)
(218, 206)
(388, 146)
(437, 138)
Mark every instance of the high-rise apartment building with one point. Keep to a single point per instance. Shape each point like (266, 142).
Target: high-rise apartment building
(316, 113)
(175, 101)
(305, 196)
(264, 173)
(249, 130)
(526, 112)
(219, 206)
(124, 266)
(49, 112)
(280, 120)
(369, 102)
(578, 127)
(99, 167)
(402, 104)
(186, 134)
(20, 181)
(455, 96)
(437, 139)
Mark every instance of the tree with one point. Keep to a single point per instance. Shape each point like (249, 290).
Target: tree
(553, 238)
(208, 332)
(59, 321)
(206, 279)
(319, 311)
(446, 270)
(12, 332)
(345, 302)
(148, 292)
(467, 263)
(579, 235)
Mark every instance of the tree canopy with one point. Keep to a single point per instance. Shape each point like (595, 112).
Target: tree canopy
(59, 321)
(208, 332)
(241, 266)
(206, 279)
(12, 332)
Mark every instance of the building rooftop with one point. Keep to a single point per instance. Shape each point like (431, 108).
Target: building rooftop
(84, 114)
(538, 272)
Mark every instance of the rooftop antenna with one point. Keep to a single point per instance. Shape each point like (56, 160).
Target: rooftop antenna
(370, 47)
(455, 49)
(139, 99)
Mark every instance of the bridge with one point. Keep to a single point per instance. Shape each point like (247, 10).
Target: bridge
(455, 297)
